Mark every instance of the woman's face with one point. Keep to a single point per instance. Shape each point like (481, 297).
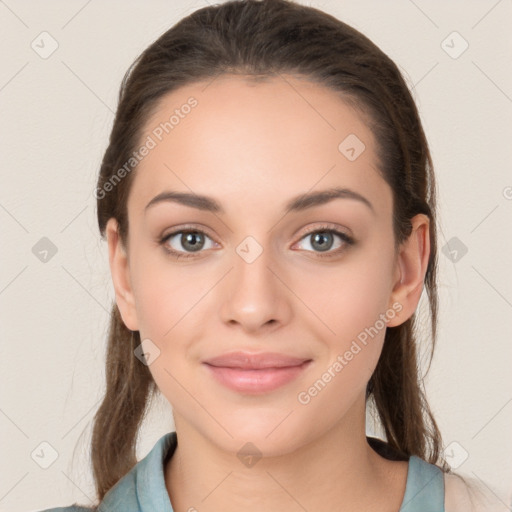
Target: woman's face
(254, 278)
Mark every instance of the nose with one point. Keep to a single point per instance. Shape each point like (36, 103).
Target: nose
(254, 295)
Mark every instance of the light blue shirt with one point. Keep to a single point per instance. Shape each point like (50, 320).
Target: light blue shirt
(143, 489)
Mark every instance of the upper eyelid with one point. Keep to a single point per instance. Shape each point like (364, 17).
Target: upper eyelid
(186, 229)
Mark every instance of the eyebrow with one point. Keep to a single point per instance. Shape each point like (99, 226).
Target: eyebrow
(296, 204)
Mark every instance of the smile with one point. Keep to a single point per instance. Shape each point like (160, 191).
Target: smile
(256, 381)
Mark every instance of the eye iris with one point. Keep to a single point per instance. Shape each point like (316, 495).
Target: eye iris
(320, 238)
(189, 241)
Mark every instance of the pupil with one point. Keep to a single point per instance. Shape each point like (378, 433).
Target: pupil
(321, 238)
(190, 240)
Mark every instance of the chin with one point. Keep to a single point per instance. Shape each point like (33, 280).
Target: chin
(270, 436)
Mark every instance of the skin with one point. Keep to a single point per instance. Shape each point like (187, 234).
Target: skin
(253, 147)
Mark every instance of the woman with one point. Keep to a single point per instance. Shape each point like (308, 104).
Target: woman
(269, 204)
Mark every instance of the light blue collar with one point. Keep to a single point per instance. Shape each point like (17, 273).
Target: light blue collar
(143, 489)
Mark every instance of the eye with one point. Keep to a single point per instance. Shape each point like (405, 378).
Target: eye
(189, 243)
(323, 239)
(186, 242)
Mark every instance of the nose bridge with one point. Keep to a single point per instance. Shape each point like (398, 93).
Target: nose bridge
(252, 265)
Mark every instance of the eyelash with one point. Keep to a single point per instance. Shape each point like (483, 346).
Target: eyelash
(348, 240)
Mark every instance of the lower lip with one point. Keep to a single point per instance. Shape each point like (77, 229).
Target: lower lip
(256, 381)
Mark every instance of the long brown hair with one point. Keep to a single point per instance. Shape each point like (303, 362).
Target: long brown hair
(266, 38)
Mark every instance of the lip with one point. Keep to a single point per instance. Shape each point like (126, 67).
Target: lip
(255, 361)
(255, 373)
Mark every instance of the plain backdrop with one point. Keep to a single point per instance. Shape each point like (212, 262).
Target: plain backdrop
(56, 114)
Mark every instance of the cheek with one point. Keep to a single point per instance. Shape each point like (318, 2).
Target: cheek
(351, 309)
(164, 293)
(169, 309)
(351, 297)
(355, 312)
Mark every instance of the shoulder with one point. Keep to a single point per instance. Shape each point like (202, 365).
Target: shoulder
(466, 494)
(142, 487)
(120, 498)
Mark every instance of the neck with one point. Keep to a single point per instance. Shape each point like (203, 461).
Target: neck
(337, 471)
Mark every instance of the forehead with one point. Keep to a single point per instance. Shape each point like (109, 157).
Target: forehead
(280, 136)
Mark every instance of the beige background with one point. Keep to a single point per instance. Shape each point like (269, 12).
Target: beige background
(54, 125)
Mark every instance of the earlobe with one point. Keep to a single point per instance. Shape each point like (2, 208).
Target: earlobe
(120, 272)
(410, 269)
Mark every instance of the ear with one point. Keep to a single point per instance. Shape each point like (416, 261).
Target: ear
(120, 270)
(410, 269)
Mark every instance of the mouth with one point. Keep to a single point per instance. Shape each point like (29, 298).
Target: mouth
(255, 373)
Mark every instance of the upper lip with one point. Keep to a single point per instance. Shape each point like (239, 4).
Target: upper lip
(252, 361)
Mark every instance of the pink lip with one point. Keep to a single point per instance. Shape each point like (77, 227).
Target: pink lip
(255, 373)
